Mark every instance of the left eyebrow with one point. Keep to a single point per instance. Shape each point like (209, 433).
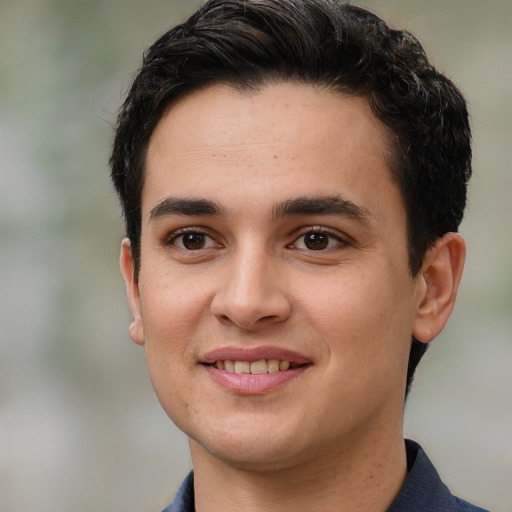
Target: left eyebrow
(324, 205)
(181, 206)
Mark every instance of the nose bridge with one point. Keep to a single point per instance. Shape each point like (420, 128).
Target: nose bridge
(250, 270)
(251, 293)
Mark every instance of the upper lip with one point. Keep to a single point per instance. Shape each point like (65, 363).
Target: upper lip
(253, 354)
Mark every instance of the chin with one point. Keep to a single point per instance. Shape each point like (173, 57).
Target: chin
(252, 457)
(248, 447)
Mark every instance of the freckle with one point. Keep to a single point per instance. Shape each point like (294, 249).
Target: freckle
(213, 154)
(224, 155)
(275, 156)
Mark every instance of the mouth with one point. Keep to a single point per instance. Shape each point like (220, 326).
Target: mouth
(259, 367)
(256, 370)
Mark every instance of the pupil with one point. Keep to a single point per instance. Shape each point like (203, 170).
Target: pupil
(193, 241)
(316, 241)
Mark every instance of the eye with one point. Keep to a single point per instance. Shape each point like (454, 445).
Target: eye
(318, 240)
(192, 241)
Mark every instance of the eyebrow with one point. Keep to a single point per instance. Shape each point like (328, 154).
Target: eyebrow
(180, 206)
(324, 205)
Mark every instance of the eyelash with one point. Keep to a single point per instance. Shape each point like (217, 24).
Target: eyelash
(175, 236)
(339, 241)
(317, 230)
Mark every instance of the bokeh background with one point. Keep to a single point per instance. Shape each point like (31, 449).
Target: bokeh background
(80, 428)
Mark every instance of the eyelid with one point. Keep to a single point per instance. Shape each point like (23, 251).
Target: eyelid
(177, 233)
(343, 240)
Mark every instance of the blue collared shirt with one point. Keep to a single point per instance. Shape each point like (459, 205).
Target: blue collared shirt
(423, 490)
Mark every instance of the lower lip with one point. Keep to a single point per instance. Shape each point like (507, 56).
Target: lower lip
(247, 384)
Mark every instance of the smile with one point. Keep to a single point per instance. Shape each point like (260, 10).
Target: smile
(255, 367)
(254, 370)
(259, 377)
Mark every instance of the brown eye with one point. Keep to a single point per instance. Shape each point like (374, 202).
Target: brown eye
(193, 241)
(316, 241)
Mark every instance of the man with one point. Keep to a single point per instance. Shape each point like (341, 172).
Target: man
(293, 174)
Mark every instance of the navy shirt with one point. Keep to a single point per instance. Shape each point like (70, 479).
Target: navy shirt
(423, 490)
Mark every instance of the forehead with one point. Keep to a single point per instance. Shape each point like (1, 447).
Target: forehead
(294, 136)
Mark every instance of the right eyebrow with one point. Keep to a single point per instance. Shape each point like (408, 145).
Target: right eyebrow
(182, 206)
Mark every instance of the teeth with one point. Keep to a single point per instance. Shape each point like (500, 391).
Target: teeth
(284, 365)
(255, 367)
(273, 365)
(242, 367)
(259, 367)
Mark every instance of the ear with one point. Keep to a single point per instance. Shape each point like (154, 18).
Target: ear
(439, 281)
(127, 265)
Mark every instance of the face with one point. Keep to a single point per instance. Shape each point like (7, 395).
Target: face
(274, 297)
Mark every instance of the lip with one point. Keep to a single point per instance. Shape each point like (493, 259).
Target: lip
(252, 354)
(244, 384)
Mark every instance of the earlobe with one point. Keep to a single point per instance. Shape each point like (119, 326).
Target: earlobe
(127, 265)
(439, 281)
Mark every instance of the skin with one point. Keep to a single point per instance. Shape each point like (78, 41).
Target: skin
(329, 438)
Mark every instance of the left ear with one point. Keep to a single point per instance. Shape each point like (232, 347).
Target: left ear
(127, 265)
(439, 281)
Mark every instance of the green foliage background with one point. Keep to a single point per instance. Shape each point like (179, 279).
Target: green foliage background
(80, 429)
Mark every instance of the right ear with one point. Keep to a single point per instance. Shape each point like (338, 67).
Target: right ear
(127, 265)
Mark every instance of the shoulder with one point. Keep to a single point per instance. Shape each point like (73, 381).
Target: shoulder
(464, 506)
(423, 490)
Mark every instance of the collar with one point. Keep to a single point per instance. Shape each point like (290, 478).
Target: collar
(423, 490)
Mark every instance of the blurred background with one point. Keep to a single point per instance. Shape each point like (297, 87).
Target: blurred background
(80, 428)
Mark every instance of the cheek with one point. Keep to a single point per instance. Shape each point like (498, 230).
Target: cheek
(364, 313)
(164, 321)
(167, 337)
(172, 309)
(366, 331)
(172, 301)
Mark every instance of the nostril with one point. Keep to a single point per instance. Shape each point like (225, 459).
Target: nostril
(225, 319)
(269, 317)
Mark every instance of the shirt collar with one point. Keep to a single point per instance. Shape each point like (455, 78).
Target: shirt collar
(423, 490)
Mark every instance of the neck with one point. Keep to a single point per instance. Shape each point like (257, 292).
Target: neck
(359, 477)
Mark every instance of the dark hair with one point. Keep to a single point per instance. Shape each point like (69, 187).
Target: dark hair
(249, 43)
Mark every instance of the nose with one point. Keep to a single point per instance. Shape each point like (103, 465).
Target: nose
(251, 293)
